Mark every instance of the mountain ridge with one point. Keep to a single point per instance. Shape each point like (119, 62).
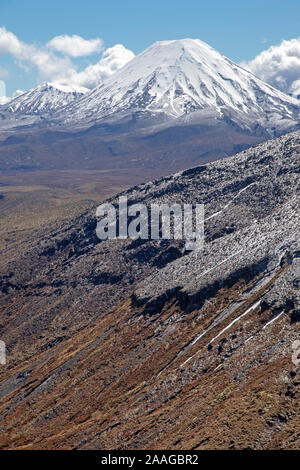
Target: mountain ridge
(43, 99)
(167, 81)
(179, 77)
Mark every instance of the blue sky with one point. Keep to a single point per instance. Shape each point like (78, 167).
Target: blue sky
(239, 29)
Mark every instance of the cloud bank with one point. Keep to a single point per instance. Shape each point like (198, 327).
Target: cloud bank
(53, 62)
(279, 66)
(48, 65)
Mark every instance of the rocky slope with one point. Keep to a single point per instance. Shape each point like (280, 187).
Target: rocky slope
(140, 344)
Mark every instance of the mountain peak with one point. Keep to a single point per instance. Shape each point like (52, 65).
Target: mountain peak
(179, 77)
(45, 98)
(64, 88)
(186, 44)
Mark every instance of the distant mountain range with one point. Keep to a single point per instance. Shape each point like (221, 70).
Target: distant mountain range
(175, 93)
(44, 99)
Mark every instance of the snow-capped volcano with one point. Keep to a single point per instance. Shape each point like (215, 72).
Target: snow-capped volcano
(44, 99)
(180, 77)
(178, 104)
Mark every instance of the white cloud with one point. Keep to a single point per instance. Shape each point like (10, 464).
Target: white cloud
(48, 64)
(279, 66)
(112, 60)
(4, 99)
(9, 43)
(75, 46)
(61, 69)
